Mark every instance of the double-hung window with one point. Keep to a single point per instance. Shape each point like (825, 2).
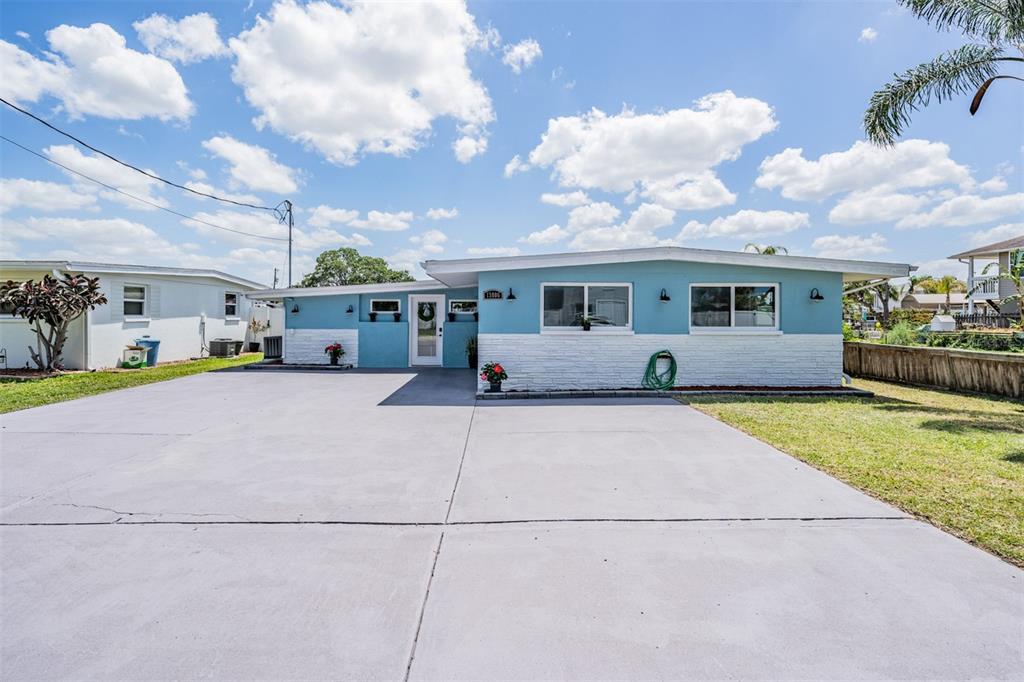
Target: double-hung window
(134, 300)
(741, 307)
(608, 307)
(230, 304)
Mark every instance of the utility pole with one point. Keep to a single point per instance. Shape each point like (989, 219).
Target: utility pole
(275, 278)
(288, 207)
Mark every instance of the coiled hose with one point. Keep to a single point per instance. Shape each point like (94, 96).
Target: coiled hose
(665, 380)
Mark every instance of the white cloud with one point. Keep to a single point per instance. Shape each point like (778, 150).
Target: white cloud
(190, 39)
(431, 241)
(515, 165)
(442, 213)
(43, 196)
(941, 267)
(264, 224)
(599, 214)
(468, 146)
(849, 246)
(966, 210)
(384, 221)
(96, 74)
(108, 172)
(577, 198)
(867, 35)
(106, 240)
(864, 166)
(997, 234)
(873, 207)
(521, 55)
(364, 78)
(207, 188)
(667, 156)
(252, 166)
(549, 235)
(747, 224)
(491, 251)
(408, 260)
(994, 184)
(325, 216)
(636, 231)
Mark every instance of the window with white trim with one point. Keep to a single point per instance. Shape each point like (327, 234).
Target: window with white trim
(230, 304)
(462, 306)
(734, 306)
(607, 306)
(134, 300)
(385, 305)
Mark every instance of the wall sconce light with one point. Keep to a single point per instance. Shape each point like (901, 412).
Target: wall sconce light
(350, 310)
(295, 309)
(664, 298)
(816, 295)
(511, 296)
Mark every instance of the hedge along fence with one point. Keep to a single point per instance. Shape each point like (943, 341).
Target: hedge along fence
(958, 370)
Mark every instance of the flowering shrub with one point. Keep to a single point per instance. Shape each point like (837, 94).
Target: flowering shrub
(335, 350)
(493, 372)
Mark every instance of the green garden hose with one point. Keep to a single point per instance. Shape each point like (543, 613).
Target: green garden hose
(665, 380)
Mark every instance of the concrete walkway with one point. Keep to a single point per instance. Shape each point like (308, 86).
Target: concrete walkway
(384, 525)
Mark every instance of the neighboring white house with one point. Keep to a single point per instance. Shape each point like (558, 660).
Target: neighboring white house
(183, 308)
(990, 289)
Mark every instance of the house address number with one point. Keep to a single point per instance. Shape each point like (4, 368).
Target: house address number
(492, 293)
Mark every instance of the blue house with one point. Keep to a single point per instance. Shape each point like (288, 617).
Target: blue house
(592, 320)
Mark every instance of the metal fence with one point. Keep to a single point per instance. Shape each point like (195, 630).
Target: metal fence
(982, 320)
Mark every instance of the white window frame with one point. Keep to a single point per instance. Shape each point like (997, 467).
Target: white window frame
(386, 300)
(238, 304)
(145, 301)
(452, 302)
(732, 328)
(628, 329)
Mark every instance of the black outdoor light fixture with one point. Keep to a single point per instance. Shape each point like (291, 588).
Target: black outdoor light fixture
(350, 310)
(664, 298)
(816, 295)
(511, 296)
(295, 309)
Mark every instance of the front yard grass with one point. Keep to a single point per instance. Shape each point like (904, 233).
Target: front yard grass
(25, 394)
(956, 460)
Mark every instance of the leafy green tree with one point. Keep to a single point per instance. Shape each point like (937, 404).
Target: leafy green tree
(338, 267)
(55, 303)
(946, 284)
(994, 26)
(766, 250)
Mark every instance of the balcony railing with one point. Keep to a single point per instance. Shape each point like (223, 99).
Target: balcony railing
(987, 287)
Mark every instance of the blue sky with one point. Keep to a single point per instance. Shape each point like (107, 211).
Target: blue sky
(417, 132)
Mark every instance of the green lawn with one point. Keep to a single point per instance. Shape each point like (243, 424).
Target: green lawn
(956, 460)
(22, 395)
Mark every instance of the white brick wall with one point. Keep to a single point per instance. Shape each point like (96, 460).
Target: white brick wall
(306, 346)
(595, 361)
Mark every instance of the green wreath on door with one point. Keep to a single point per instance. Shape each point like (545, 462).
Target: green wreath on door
(426, 312)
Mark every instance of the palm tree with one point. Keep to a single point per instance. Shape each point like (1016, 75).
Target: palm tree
(915, 281)
(766, 250)
(947, 284)
(996, 26)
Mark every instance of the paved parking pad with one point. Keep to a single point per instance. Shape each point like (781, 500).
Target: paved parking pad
(385, 525)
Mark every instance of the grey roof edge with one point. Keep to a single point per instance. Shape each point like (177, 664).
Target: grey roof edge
(1010, 244)
(387, 287)
(115, 268)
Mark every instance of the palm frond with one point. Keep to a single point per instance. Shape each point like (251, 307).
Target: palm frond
(997, 21)
(956, 72)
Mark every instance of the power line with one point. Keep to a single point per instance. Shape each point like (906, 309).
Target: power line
(137, 198)
(134, 168)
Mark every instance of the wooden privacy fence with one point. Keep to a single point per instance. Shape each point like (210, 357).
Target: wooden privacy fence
(959, 370)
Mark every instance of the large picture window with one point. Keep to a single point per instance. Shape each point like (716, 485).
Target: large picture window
(607, 306)
(734, 306)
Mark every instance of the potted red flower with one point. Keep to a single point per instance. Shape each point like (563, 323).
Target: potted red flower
(493, 373)
(335, 351)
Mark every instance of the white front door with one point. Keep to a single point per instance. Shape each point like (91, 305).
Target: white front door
(426, 327)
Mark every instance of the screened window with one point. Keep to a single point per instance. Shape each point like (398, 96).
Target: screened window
(230, 304)
(385, 305)
(466, 306)
(605, 305)
(134, 301)
(734, 306)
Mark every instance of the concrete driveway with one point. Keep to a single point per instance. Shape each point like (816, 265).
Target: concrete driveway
(383, 525)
